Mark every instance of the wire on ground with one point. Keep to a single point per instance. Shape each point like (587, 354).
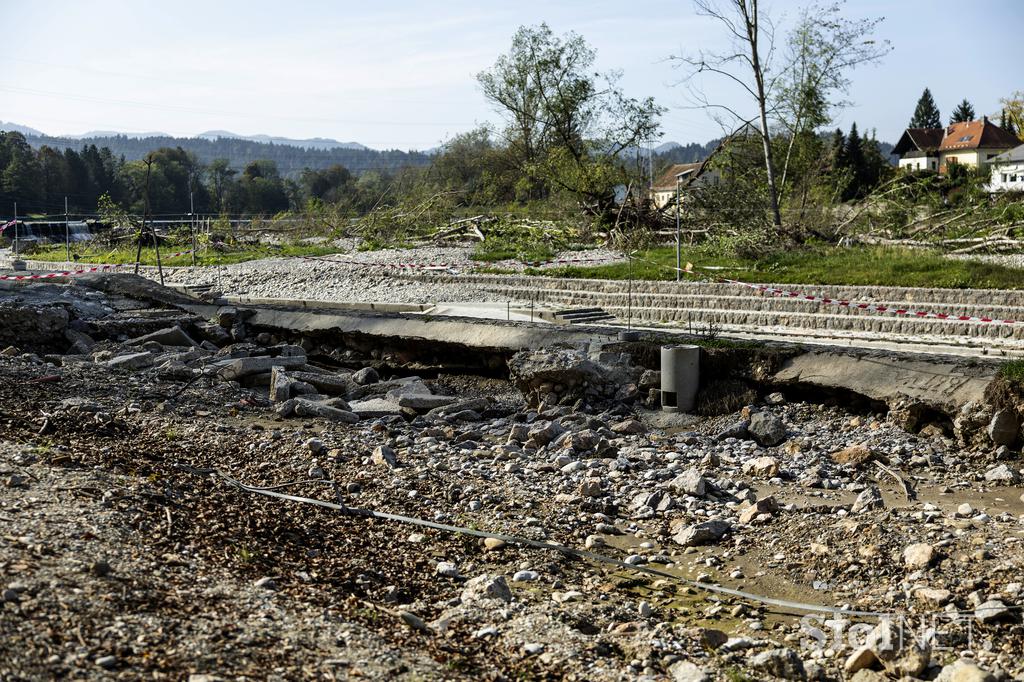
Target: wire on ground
(526, 542)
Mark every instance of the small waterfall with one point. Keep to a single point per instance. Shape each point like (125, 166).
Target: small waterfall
(50, 232)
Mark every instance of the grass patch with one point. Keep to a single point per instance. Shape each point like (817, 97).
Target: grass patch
(877, 266)
(491, 252)
(1013, 371)
(126, 254)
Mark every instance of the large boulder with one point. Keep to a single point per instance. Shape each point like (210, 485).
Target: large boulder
(563, 376)
(1003, 428)
(767, 429)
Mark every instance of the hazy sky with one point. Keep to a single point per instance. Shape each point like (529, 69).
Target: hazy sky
(401, 73)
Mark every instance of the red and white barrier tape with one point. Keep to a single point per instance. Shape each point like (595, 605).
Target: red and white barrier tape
(83, 271)
(858, 305)
(64, 273)
(870, 307)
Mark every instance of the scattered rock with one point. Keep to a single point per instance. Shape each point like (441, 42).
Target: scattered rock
(918, 555)
(688, 671)
(964, 671)
(384, 456)
(781, 663)
(991, 611)
(1002, 473)
(762, 467)
(702, 533)
(869, 498)
(762, 507)
(854, 455)
(767, 429)
(690, 482)
(1003, 428)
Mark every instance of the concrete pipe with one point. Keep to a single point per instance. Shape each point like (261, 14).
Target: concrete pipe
(680, 377)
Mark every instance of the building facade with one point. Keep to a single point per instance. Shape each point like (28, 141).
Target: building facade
(1008, 171)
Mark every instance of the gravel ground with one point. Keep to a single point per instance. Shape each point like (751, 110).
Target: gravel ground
(1010, 260)
(337, 278)
(116, 557)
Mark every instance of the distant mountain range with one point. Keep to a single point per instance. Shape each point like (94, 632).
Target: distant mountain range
(312, 143)
(291, 156)
(18, 128)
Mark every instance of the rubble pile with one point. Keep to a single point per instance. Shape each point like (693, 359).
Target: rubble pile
(121, 553)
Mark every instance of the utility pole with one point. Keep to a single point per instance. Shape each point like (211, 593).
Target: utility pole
(192, 224)
(679, 253)
(67, 231)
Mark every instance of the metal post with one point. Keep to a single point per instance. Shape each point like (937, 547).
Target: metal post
(629, 294)
(15, 230)
(679, 253)
(67, 231)
(192, 225)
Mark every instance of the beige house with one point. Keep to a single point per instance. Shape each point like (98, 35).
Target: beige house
(680, 177)
(971, 143)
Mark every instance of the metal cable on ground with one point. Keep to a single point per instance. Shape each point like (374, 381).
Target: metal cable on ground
(526, 542)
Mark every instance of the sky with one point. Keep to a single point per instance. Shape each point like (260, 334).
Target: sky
(401, 74)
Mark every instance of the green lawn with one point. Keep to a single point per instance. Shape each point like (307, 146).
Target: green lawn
(124, 254)
(816, 265)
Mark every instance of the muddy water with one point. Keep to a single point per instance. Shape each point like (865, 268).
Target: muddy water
(714, 564)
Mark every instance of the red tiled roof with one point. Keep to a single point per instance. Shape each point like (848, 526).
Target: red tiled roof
(981, 134)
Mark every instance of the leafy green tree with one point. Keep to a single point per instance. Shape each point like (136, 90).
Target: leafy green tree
(19, 174)
(1013, 112)
(926, 114)
(1006, 123)
(823, 47)
(53, 177)
(964, 112)
(219, 176)
(260, 190)
(566, 126)
(331, 184)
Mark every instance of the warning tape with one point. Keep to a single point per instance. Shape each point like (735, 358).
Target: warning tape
(83, 271)
(870, 307)
(63, 273)
(839, 302)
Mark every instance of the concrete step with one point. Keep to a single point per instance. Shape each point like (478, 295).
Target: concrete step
(584, 315)
(762, 302)
(901, 295)
(715, 305)
(879, 324)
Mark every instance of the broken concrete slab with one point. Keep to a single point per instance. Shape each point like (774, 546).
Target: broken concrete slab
(172, 336)
(242, 367)
(132, 361)
(310, 408)
(280, 384)
(376, 407)
(425, 401)
(943, 383)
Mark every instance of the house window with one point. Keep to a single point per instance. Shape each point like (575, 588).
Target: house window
(1004, 177)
